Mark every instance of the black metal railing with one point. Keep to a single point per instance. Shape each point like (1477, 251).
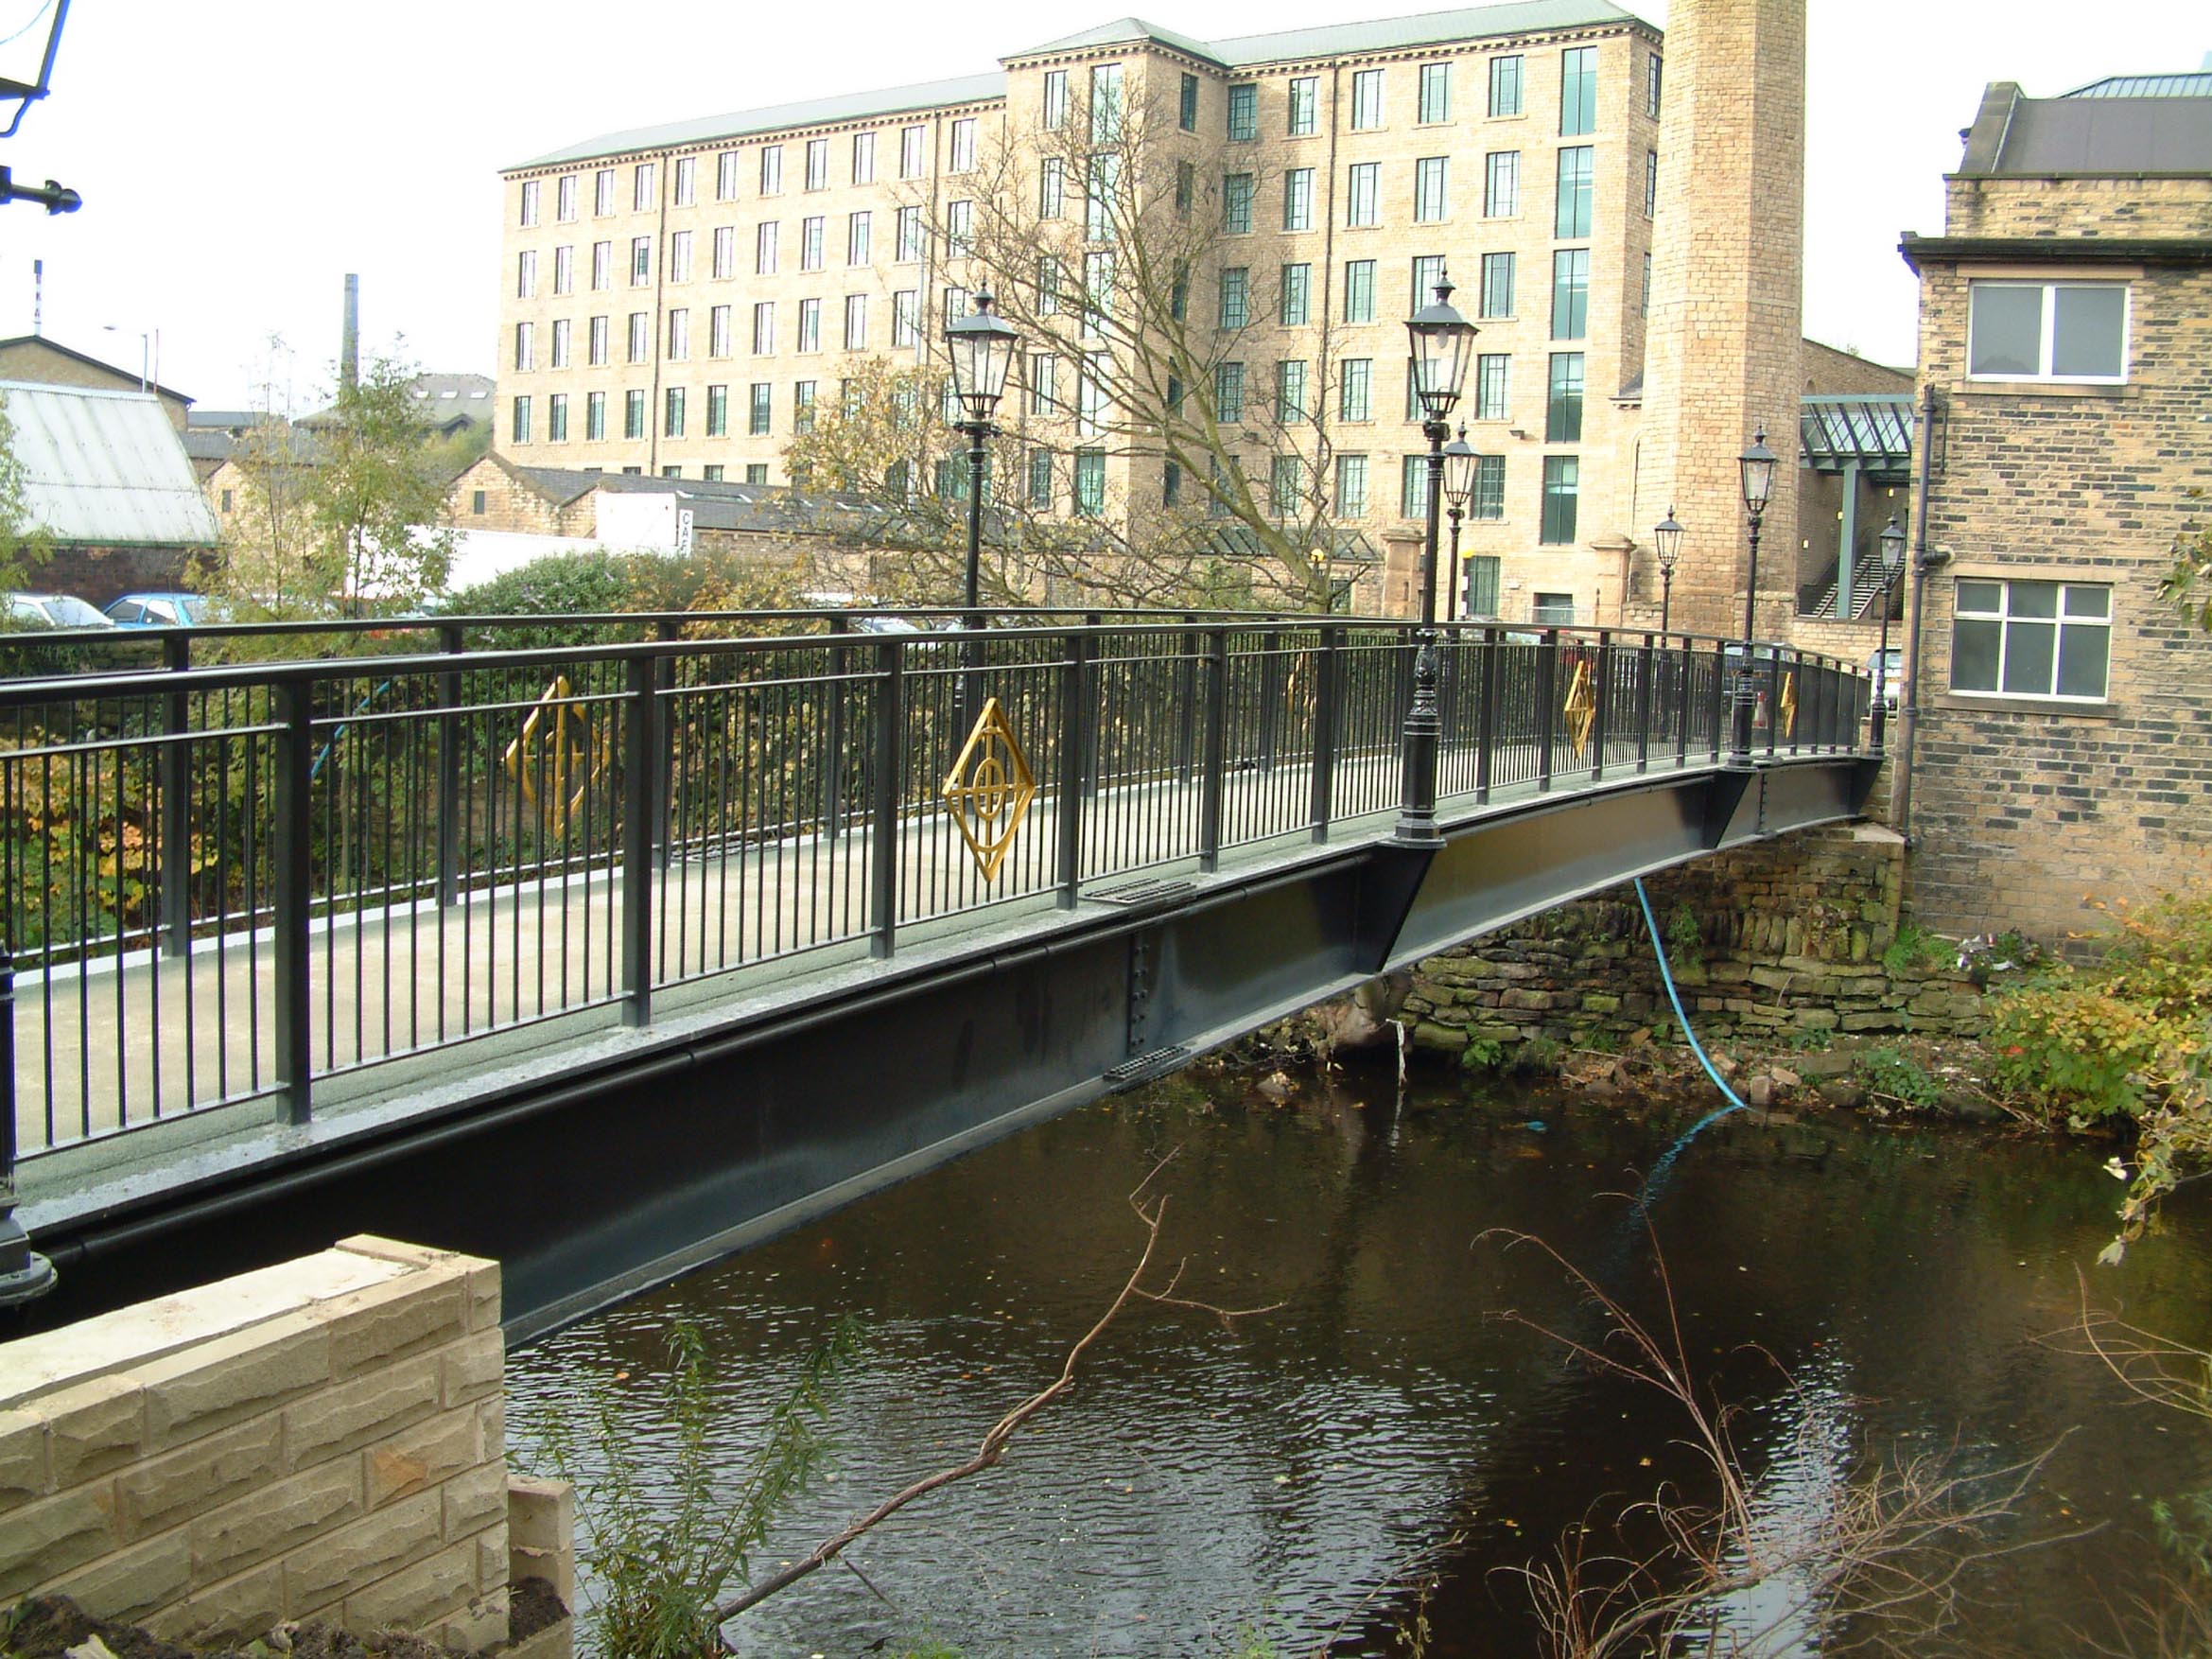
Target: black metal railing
(238, 883)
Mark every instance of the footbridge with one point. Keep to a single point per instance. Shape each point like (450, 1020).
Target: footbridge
(605, 959)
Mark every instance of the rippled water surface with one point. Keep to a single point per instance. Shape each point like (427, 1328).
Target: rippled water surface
(1284, 1476)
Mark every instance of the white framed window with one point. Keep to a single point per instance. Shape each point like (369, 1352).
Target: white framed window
(717, 332)
(1501, 196)
(2062, 331)
(1436, 93)
(1303, 113)
(603, 192)
(521, 427)
(764, 237)
(642, 199)
(1090, 395)
(725, 252)
(687, 181)
(679, 256)
(817, 164)
(911, 140)
(1052, 112)
(909, 236)
(811, 243)
(905, 306)
(856, 322)
(1367, 99)
(598, 350)
(2032, 638)
(1052, 187)
(1106, 103)
(1043, 383)
(529, 202)
(810, 325)
(1297, 198)
(856, 238)
(864, 158)
(959, 229)
(565, 269)
(526, 274)
(640, 337)
(526, 354)
(1428, 189)
(564, 199)
(964, 145)
(641, 261)
(725, 176)
(562, 329)
(602, 265)
(679, 335)
(772, 170)
(764, 328)
(1362, 198)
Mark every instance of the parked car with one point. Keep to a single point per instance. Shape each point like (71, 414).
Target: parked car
(165, 610)
(53, 610)
(1889, 673)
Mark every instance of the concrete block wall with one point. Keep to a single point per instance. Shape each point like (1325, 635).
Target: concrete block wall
(322, 1439)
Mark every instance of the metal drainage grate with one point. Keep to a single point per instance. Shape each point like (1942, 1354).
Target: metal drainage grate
(1149, 890)
(1159, 1063)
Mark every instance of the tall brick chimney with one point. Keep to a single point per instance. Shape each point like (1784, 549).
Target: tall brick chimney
(1726, 330)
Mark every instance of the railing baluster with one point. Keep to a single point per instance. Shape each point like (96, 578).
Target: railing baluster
(1486, 718)
(1547, 697)
(175, 772)
(643, 804)
(1601, 693)
(1074, 746)
(291, 832)
(1216, 761)
(883, 831)
(452, 641)
(1321, 799)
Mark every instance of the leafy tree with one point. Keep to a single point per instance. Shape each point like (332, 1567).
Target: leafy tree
(24, 546)
(2188, 584)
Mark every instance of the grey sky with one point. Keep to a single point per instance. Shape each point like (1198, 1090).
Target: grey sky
(236, 157)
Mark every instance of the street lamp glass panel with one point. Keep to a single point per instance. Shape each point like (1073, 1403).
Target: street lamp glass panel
(1758, 469)
(1459, 463)
(1442, 340)
(1666, 541)
(982, 348)
(26, 55)
(1892, 541)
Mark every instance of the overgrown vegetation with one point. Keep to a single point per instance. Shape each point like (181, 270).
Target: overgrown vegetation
(1893, 1075)
(1917, 951)
(2125, 1041)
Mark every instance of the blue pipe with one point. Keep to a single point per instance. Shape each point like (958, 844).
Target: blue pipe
(1656, 1180)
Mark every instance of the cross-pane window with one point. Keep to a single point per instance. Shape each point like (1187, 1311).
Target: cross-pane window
(1106, 103)
(526, 345)
(1235, 297)
(634, 412)
(687, 181)
(1651, 183)
(521, 427)
(679, 334)
(679, 256)
(602, 265)
(1359, 291)
(1570, 294)
(717, 332)
(597, 352)
(764, 248)
(856, 322)
(1052, 112)
(2047, 331)
(672, 412)
(1286, 485)
(562, 328)
(1489, 501)
(1236, 204)
(1052, 187)
(864, 158)
(1356, 396)
(1428, 189)
(810, 325)
(910, 234)
(595, 417)
(603, 192)
(564, 199)
(1294, 292)
(1500, 194)
(963, 159)
(1492, 374)
(910, 154)
(640, 335)
(1243, 111)
(764, 328)
(1297, 199)
(1229, 392)
(725, 252)
(1367, 99)
(905, 305)
(1497, 284)
(1091, 482)
(1428, 270)
(642, 187)
(1563, 486)
(1290, 391)
(725, 176)
(1578, 91)
(1187, 105)
(1040, 480)
(803, 407)
(557, 418)
(1435, 91)
(1413, 487)
(1577, 173)
(772, 170)
(1305, 105)
(1506, 84)
(760, 416)
(1363, 194)
(2032, 638)
(1563, 417)
(1102, 185)
(959, 229)
(858, 228)
(1651, 81)
(641, 261)
(717, 411)
(811, 243)
(1352, 486)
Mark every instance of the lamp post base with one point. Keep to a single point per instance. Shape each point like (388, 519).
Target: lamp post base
(1421, 740)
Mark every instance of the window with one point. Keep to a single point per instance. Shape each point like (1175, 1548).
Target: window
(817, 164)
(634, 412)
(1489, 501)
(597, 352)
(1052, 112)
(476, 502)
(1090, 395)
(1040, 478)
(764, 248)
(717, 411)
(595, 417)
(564, 199)
(756, 472)
(1552, 610)
(717, 332)
(772, 170)
(1481, 587)
(864, 158)
(603, 192)
(1236, 204)
(1572, 215)
(1505, 85)
(1562, 409)
(905, 306)
(602, 265)
(803, 407)
(526, 274)
(565, 271)
(1577, 91)
(1297, 199)
(1305, 105)
(1413, 487)
(909, 236)
(672, 412)
(2032, 638)
(1295, 293)
(1359, 291)
(641, 188)
(679, 335)
(1286, 485)
(964, 145)
(1098, 289)
(1355, 396)
(1428, 270)
(858, 229)
(856, 322)
(640, 337)
(1171, 484)
(1187, 107)
(1435, 91)
(1106, 103)
(1500, 194)
(1570, 294)
(1363, 194)
(561, 330)
(1651, 183)
(1043, 383)
(679, 256)
(1290, 391)
(521, 429)
(529, 202)
(810, 325)
(1428, 189)
(2047, 331)
(641, 261)
(1651, 73)
(1235, 297)
(911, 140)
(687, 181)
(760, 416)
(1229, 392)
(1493, 371)
(725, 252)
(711, 472)
(1352, 486)
(1644, 305)
(1091, 482)
(1052, 187)
(1048, 285)
(1178, 292)
(1367, 99)
(764, 328)
(811, 243)
(1243, 111)
(959, 229)
(1101, 187)
(1497, 284)
(1561, 486)
(725, 176)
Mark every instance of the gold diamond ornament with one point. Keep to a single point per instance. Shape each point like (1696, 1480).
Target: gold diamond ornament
(1581, 708)
(989, 788)
(1789, 706)
(559, 754)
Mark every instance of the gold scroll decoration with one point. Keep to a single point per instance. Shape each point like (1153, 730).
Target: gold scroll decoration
(989, 788)
(1581, 708)
(558, 756)
(1789, 706)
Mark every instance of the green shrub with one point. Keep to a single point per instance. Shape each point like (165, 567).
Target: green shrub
(1685, 940)
(1917, 951)
(2076, 1049)
(1893, 1073)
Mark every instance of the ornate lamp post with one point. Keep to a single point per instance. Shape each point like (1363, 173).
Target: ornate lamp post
(982, 347)
(1892, 544)
(1757, 465)
(1441, 338)
(1666, 545)
(1458, 492)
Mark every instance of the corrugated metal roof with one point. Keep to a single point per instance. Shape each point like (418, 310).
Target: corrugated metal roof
(105, 468)
(849, 106)
(2147, 86)
(1383, 34)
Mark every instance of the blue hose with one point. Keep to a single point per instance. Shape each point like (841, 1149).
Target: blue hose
(1657, 1178)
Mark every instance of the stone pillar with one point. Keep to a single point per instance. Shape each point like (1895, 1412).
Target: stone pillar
(1727, 288)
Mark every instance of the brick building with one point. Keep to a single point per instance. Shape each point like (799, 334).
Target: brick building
(2062, 746)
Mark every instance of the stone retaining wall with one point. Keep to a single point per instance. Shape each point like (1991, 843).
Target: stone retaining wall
(323, 1439)
(1783, 935)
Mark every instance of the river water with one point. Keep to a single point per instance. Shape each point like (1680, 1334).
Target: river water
(1856, 1289)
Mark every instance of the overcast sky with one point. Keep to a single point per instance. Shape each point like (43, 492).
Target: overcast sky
(237, 157)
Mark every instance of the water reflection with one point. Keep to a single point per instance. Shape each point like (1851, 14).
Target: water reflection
(1197, 1480)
